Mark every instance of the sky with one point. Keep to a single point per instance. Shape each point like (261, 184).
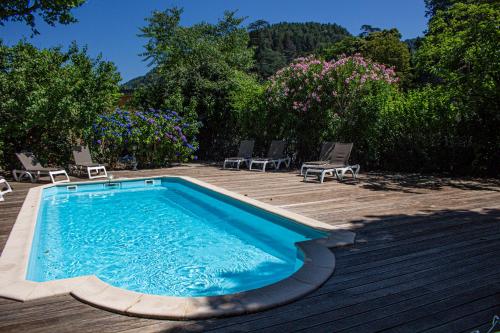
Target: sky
(110, 27)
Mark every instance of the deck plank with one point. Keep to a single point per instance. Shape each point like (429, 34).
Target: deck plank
(426, 257)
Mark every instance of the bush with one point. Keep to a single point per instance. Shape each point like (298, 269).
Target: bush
(314, 100)
(155, 137)
(418, 132)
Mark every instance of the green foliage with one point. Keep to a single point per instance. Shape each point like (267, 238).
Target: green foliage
(49, 99)
(247, 102)
(51, 11)
(461, 53)
(154, 137)
(433, 6)
(346, 46)
(387, 48)
(195, 69)
(382, 46)
(417, 132)
(277, 45)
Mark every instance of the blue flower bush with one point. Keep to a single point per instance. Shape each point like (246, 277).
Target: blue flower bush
(155, 137)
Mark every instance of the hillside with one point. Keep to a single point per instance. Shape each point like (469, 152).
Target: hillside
(277, 45)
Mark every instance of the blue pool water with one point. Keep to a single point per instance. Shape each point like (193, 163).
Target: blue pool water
(170, 237)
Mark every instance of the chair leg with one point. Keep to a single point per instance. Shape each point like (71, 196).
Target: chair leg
(302, 170)
(238, 165)
(322, 177)
(14, 174)
(264, 167)
(355, 174)
(341, 173)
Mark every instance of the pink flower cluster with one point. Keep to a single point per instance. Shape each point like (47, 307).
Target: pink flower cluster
(312, 82)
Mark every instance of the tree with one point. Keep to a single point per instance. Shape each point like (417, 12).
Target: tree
(50, 98)
(195, 67)
(384, 46)
(346, 46)
(433, 6)
(367, 29)
(257, 25)
(51, 11)
(461, 52)
(387, 48)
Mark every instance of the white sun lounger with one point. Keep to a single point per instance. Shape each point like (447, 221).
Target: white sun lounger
(275, 157)
(337, 166)
(83, 162)
(324, 157)
(34, 170)
(244, 155)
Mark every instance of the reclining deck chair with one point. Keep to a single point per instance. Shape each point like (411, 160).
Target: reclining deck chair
(324, 157)
(83, 162)
(338, 164)
(244, 154)
(275, 157)
(34, 170)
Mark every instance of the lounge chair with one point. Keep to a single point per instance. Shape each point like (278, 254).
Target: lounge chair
(4, 188)
(83, 162)
(275, 157)
(33, 169)
(338, 164)
(324, 157)
(244, 155)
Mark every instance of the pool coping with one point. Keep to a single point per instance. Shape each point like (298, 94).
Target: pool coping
(319, 264)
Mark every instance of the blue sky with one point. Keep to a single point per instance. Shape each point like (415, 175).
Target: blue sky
(110, 27)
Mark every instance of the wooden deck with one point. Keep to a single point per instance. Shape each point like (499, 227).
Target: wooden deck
(427, 258)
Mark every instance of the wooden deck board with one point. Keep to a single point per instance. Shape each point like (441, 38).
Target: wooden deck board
(426, 258)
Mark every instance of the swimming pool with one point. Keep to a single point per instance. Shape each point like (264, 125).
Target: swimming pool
(163, 236)
(166, 247)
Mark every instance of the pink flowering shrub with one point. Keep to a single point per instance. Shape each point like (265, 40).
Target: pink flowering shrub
(311, 84)
(317, 100)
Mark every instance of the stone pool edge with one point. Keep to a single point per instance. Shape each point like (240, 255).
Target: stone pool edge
(319, 264)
